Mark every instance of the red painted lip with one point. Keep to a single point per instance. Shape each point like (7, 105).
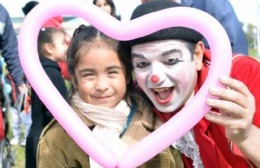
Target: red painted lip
(163, 101)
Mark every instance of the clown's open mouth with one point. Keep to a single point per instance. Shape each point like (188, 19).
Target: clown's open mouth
(163, 95)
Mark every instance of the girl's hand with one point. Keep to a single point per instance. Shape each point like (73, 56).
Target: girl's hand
(237, 107)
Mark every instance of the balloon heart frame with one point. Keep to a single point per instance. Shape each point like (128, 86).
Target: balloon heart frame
(165, 135)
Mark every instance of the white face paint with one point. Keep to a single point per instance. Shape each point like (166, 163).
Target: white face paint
(166, 72)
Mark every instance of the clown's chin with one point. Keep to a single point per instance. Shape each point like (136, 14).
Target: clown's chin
(169, 108)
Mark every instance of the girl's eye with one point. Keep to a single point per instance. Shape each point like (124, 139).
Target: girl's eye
(142, 64)
(87, 75)
(172, 61)
(113, 72)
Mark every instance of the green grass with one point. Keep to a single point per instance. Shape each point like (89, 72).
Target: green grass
(18, 150)
(253, 53)
(19, 156)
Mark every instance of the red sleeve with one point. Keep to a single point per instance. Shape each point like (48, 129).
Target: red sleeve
(247, 70)
(64, 70)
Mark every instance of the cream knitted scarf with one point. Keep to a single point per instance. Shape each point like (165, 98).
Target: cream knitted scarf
(109, 123)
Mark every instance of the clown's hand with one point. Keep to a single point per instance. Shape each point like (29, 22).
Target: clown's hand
(237, 107)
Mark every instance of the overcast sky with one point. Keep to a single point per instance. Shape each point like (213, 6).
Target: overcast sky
(246, 10)
(123, 7)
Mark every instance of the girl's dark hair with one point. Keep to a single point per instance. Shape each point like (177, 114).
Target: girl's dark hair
(113, 8)
(86, 37)
(46, 36)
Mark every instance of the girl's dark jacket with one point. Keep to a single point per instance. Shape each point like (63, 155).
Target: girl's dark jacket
(41, 116)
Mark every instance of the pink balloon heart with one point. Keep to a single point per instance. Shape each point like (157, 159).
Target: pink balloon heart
(163, 137)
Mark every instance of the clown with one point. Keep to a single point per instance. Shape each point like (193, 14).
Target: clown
(170, 66)
(159, 72)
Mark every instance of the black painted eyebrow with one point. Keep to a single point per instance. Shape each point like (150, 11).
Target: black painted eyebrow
(166, 53)
(137, 55)
(169, 52)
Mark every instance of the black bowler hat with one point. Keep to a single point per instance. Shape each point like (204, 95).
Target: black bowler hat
(181, 33)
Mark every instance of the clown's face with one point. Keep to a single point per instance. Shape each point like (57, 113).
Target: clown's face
(166, 71)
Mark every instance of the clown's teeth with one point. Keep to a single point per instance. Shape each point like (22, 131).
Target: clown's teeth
(160, 89)
(163, 93)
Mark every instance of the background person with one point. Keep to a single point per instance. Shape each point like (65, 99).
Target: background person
(8, 48)
(108, 6)
(52, 48)
(9, 51)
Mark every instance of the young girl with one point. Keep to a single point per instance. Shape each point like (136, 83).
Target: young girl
(52, 47)
(104, 98)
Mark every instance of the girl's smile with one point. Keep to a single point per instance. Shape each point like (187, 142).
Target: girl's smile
(101, 77)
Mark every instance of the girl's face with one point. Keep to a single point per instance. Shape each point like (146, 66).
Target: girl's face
(104, 6)
(59, 47)
(100, 77)
(166, 72)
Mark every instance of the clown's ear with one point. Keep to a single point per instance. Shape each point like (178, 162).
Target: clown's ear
(198, 55)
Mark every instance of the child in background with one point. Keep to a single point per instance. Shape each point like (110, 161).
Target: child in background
(104, 97)
(55, 22)
(52, 47)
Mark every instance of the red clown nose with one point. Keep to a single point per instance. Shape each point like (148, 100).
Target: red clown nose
(155, 79)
